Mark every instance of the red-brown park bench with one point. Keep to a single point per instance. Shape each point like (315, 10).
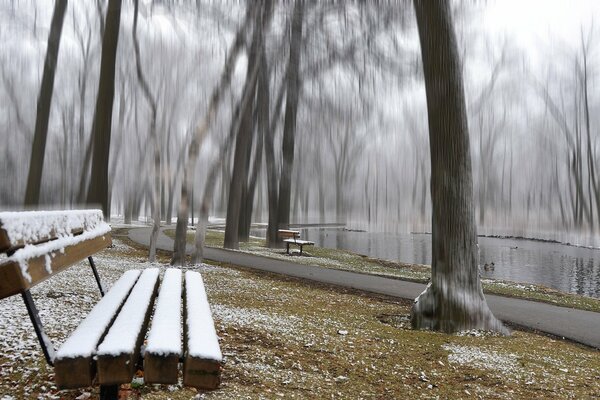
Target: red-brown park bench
(293, 237)
(107, 346)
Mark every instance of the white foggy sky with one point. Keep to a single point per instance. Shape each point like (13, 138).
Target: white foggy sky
(535, 23)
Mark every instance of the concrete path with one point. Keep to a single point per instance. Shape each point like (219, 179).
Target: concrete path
(577, 325)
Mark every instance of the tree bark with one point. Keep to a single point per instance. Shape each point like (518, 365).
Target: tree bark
(291, 110)
(101, 130)
(454, 299)
(36, 163)
(239, 178)
(272, 190)
(198, 138)
(153, 135)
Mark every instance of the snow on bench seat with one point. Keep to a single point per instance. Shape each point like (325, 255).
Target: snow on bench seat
(299, 241)
(33, 264)
(119, 351)
(73, 365)
(202, 362)
(164, 348)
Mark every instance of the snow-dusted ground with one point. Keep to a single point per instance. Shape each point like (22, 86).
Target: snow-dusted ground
(285, 339)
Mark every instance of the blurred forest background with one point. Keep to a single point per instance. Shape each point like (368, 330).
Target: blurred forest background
(325, 105)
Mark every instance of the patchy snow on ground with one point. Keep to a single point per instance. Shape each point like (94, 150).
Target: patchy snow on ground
(478, 357)
(256, 318)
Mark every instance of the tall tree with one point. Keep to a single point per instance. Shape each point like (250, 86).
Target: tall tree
(239, 178)
(454, 299)
(291, 111)
(36, 163)
(151, 99)
(199, 136)
(101, 128)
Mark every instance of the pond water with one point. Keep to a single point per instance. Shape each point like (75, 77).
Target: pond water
(563, 267)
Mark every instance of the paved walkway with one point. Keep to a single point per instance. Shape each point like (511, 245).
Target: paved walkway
(577, 325)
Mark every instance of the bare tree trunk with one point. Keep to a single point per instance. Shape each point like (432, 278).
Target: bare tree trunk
(239, 178)
(154, 137)
(198, 138)
(271, 166)
(101, 130)
(36, 163)
(454, 299)
(291, 109)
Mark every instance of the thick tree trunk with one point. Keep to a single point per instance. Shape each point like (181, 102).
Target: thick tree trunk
(291, 109)
(454, 299)
(239, 178)
(36, 163)
(101, 130)
(272, 190)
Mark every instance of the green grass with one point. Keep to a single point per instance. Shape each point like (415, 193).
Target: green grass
(349, 261)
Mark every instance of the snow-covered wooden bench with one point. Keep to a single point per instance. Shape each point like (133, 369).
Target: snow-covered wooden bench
(113, 351)
(293, 237)
(107, 346)
(38, 245)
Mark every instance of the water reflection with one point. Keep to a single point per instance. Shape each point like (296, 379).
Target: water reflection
(566, 268)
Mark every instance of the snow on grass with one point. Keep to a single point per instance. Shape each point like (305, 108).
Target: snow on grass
(505, 364)
(249, 317)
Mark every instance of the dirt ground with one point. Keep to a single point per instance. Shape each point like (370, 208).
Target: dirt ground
(285, 338)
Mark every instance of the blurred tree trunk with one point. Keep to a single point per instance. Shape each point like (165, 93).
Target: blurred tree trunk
(262, 108)
(198, 139)
(454, 299)
(36, 163)
(153, 135)
(291, 110)
(271, 166)
(101, 128)
(239, 178)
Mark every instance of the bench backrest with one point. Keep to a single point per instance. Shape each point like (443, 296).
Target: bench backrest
(39, 244)
(288, 234)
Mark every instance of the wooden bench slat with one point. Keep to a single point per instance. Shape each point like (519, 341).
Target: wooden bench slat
(74, 366)
(32, 227)
(203, 358)
(164, 348)
(18, 274)
(119, 351)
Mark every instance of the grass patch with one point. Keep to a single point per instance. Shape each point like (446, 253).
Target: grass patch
(349, 261)
(286, 338)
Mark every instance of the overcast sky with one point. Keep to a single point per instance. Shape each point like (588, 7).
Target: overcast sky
(535, 24)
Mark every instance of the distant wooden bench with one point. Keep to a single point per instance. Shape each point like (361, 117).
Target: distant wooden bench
(293, 237)
(106, 348)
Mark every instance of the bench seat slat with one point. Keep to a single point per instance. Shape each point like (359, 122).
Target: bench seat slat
(202, 362)
(119, 351)
(26, 268)
(164, 347)
(299, 241)
(73, 365)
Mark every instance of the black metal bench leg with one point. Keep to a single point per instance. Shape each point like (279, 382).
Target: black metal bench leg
(109, 392)
(47, 346)
(95, 271)
(287, 248)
